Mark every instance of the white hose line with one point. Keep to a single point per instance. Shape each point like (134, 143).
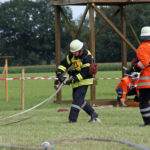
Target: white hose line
(101, 140)
(20, 147)
(140, 147)
(46, 100)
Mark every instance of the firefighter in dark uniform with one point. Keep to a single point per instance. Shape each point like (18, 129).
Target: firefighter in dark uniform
(80, 59)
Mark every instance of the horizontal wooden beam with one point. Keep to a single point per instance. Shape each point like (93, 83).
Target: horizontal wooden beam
(68, 2)
(101, 102)
(103, 2)
(119, 1)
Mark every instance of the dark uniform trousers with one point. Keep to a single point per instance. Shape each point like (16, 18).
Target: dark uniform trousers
(144, 102)
(79, 103)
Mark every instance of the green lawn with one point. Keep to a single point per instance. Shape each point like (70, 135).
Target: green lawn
(47, 124)
(38, 90)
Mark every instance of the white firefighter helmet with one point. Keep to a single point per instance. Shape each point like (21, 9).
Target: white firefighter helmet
(145, 31)
(76, 45)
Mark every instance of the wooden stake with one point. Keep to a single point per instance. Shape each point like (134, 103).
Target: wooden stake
(6, 76)
(22, 89)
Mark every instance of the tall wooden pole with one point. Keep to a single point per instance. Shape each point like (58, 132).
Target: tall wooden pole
(57, 44)
(92, 46)
(6, 81)
(123, 43)
(22, 89)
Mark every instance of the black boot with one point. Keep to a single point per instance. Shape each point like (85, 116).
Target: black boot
(144, 125)
(94, 117)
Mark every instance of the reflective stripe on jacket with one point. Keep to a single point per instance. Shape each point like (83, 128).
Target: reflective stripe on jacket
(143, 55)
(81, 64)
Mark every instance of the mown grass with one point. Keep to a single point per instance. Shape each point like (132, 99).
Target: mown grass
(47, 124)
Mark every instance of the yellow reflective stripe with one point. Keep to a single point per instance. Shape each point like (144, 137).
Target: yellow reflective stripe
(62, 68)
(68, 61)
(89, 53)
(83, 82)
(79, 77)
(86, 65)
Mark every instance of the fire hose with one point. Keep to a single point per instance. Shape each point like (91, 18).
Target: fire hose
(140, 147)
(44, 101)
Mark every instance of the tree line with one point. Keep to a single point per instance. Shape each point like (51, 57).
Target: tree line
(27, 32)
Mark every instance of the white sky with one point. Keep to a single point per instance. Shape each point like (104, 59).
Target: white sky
(3, 1)
(76, 10)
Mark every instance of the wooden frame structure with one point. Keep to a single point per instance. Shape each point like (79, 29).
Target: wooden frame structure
(91, 6)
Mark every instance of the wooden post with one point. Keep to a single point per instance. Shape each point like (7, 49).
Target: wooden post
(6, 81)
(92, 46)
(6, 75)
(57, 44)
(22, 88)
(123, 43)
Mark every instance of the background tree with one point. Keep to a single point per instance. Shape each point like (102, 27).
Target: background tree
(28, 33)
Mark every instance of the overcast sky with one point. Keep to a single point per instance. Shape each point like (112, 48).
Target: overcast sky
(76, 10)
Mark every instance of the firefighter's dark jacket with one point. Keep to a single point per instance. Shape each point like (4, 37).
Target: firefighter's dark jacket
(81, 65)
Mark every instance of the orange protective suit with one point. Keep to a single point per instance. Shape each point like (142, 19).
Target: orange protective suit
(127, 85)
(143, 55)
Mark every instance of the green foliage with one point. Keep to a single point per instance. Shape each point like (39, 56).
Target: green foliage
(28, 31)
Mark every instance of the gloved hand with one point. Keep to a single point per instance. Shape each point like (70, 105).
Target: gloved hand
(134, 62)
(134, 69)
(61, 78)
(129, 71)
(71, 72)
(56, 84)
(68, 82)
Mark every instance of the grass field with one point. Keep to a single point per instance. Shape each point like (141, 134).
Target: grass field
(46, 124)
(38, 90)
